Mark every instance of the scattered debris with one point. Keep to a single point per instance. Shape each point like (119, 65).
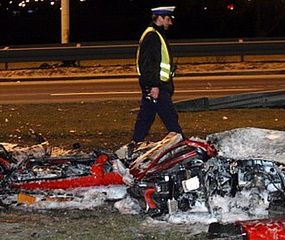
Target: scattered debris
(233, 173)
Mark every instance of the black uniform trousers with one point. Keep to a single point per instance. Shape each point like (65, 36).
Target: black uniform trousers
(165, 109)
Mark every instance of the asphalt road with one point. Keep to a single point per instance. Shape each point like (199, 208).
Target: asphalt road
(117, 89)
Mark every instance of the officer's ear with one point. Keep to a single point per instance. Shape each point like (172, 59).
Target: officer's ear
(159, 20)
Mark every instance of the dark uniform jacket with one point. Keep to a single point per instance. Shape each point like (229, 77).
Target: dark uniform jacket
(149, 62)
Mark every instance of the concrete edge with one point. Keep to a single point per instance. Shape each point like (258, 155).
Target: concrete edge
(132, 75)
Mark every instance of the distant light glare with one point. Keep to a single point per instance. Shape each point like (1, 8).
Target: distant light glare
(231, 7)
(22, 4)
(31, 4)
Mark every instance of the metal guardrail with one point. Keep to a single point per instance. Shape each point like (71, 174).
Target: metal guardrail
(77, 52)
(246, 100)
(70, 52)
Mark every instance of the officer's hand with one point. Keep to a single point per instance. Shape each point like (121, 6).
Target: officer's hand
(154, 92)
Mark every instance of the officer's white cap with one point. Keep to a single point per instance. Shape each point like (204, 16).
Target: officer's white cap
(164, 11)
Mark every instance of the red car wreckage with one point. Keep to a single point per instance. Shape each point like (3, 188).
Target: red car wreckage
(93, 169)
(164, 177)
(258, 229)
(50, 173)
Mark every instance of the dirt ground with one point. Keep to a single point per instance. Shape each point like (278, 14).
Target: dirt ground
(109, 124)
(191, 66)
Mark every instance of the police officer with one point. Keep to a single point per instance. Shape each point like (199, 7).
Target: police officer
(155, 69)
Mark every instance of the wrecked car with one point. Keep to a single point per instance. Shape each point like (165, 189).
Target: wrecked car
(237, 169)
(179, 174)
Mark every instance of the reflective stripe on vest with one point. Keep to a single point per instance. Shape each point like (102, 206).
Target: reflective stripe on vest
(165, 67)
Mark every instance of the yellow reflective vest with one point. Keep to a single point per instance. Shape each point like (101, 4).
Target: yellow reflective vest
(165, 64)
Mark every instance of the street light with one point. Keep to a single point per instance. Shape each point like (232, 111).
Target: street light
(65, 25)
(65, 22)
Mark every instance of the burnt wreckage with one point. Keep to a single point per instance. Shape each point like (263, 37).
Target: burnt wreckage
(25, 169)
(190, 171)
(164, 177)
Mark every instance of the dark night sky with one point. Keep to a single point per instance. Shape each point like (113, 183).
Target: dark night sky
(110, 20)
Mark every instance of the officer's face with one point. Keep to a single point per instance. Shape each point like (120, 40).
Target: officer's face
(166, 22)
